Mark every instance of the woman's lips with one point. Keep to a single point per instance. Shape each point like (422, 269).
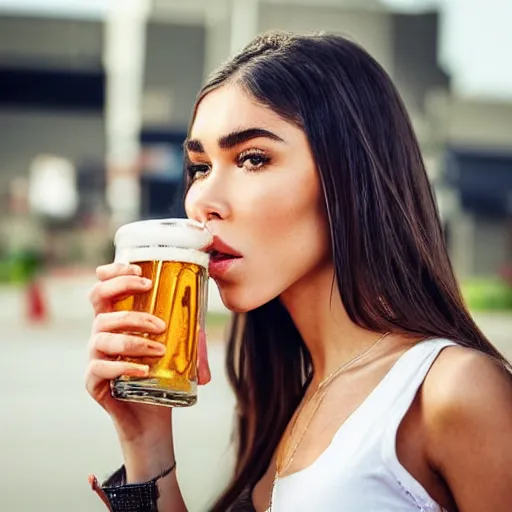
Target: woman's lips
(219, 246)
(222, 257)
(220, 263)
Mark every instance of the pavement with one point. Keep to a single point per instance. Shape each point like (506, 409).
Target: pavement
(53, 435)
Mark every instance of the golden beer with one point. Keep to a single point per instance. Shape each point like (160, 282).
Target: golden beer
(169, 253)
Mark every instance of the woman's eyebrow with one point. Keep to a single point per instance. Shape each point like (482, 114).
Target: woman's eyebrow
(233, 139)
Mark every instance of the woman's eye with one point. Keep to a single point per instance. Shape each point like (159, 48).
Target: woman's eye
(196, 171)
(253, 161)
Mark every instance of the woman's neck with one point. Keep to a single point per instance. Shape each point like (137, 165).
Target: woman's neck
(319, 315)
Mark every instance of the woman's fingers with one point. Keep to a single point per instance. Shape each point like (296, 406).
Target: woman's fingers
(106, 292)
(124, 345)
(100, 372)
(128, 321)
(203, 368)
(104, 272)
(109, 348)
(116, 281)
(110, 370)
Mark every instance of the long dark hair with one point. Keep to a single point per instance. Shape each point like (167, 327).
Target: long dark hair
(391, 264)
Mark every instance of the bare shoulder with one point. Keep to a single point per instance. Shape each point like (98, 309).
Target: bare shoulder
(466, 403)
(464, 380)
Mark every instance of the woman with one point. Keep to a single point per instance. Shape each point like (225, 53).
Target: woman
(361, 380)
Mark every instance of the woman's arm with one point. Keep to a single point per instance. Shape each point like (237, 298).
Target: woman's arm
(144, 462)
(144, 431)
(147, 482)
(468, 410)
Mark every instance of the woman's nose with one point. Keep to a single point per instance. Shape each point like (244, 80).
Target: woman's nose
(207, 200)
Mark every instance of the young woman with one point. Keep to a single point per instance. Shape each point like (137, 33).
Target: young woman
(362, 382)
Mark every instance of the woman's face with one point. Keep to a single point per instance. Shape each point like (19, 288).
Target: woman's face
(255, 182)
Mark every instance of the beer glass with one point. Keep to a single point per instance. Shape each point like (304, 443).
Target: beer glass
(171, 253)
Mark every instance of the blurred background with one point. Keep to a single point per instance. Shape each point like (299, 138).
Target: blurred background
(95, 98)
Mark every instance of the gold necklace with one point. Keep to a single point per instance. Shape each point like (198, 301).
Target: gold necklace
(320, 391)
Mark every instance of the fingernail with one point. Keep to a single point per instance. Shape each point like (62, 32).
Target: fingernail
(146, 283)
(136, 269)
(158, 349)
(138, 370)
(158, 323)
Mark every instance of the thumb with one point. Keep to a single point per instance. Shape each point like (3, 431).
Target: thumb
(203, 368)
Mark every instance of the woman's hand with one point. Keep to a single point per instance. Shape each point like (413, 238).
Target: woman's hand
(108, 344)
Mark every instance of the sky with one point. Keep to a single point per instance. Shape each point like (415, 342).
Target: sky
(73, 8)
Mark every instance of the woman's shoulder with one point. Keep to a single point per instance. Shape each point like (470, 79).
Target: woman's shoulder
(464, 376)
(466, 395)
(466, 416)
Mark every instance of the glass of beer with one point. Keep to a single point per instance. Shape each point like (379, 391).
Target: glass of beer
(171, 253)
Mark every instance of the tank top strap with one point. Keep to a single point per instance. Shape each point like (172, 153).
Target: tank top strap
(415, 364)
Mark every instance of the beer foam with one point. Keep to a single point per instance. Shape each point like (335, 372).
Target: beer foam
(172, 233)
(139, 254)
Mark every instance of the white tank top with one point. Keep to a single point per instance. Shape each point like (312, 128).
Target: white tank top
(360, 471)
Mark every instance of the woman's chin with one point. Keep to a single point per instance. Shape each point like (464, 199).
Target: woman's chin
(235, 306)
(236, 300)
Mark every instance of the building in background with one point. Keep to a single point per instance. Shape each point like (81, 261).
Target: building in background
(110, 87)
